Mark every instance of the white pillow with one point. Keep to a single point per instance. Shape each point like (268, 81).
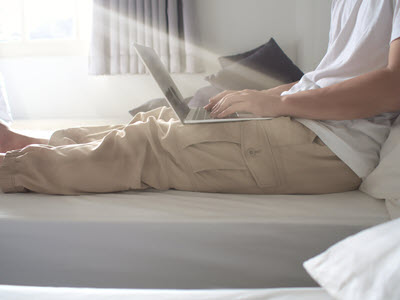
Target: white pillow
(5, 114)
(365, 266)
(384, 181)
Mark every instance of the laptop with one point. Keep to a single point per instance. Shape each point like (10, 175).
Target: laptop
(174, 97)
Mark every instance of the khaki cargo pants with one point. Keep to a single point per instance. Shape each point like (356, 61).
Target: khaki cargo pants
(278, 156)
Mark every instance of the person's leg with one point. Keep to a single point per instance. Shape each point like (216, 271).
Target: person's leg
(10, 140)
(125, 158)
(82, 135)
(267, 157)
(278, 156)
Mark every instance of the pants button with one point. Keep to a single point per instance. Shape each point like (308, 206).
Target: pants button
(252, 152)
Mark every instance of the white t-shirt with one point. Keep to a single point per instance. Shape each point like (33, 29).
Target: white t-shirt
(359, 42)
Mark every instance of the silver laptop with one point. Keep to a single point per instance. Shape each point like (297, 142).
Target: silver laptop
(174, 97)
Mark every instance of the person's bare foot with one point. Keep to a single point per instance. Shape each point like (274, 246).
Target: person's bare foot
(10, 140)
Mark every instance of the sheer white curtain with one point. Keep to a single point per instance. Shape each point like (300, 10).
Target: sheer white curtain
(5, 113)
(168, 26)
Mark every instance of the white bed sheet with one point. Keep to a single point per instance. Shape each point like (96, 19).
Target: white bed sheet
(174, 240)
(45, 293)
(351, 208)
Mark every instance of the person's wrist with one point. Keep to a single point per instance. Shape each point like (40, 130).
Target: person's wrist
(283, 106)
(273, 106)
(272, 91)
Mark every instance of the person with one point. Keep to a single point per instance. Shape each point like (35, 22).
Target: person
(325, 136)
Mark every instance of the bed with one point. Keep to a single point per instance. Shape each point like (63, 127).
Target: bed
(45, 293)
(174, 240)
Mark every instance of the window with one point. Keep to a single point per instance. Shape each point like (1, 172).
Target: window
(44, 27)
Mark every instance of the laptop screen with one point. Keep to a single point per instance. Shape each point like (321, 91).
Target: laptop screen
(164, 80)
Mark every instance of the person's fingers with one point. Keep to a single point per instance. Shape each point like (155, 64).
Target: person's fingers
(227, 101)
(209, 106)
(214, 100)
(217, 107)
(218, 104)
(221, 95)
(224, 103)
(236, 107)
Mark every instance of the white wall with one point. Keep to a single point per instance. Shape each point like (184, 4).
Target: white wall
(59, 87)
(312, 30)
(233, 26)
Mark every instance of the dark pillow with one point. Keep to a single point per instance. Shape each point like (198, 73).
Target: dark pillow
(267, 67)
(226, 61)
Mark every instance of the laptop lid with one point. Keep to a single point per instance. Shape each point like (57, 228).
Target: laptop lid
(164, 80)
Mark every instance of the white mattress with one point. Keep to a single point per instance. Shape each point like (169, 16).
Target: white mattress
(174, 240)
(351, 208)
(45, 293)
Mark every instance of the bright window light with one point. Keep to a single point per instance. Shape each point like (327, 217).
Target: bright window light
(44, 27)
(11, 20)
(50, 19)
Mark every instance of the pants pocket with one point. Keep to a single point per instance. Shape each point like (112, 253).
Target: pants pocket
(229, 157)
(214, 160)
(212, 146)
(258, 155)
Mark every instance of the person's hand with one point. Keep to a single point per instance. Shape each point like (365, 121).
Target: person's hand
(214, 100)
(259, 103)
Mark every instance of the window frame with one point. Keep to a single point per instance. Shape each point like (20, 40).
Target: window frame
(57, 47)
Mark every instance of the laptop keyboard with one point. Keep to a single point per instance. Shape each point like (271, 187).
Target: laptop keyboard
(202, 114)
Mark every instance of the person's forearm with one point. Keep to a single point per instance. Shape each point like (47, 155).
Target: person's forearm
(277, 91)
(361, 97)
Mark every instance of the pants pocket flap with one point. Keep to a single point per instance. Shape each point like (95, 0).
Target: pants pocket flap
(205, 133)
(257, 152)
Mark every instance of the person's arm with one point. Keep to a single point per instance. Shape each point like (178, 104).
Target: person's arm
(276, 91)
(360, 97)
